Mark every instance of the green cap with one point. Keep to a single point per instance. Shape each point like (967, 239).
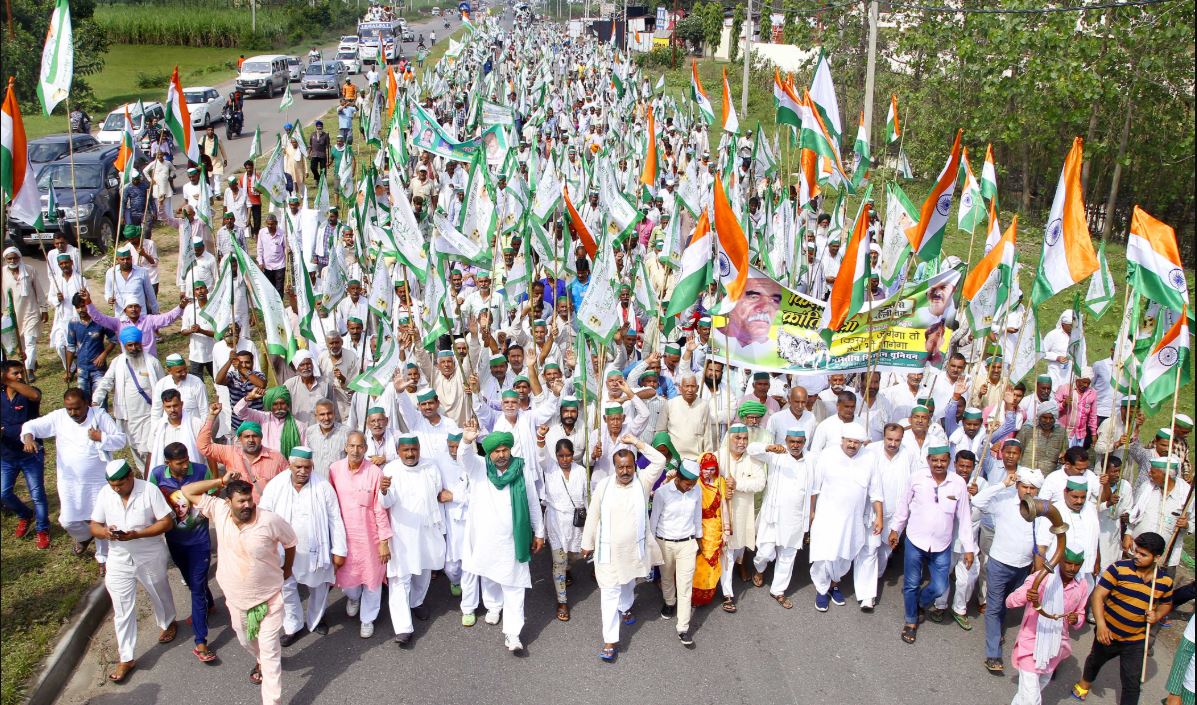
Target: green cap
(972, 413)
(408, 439)
(569, 403)
(454, 437)
(426, 394)
(521, 378)
(672, 349)
(117, 469)
(760, 375)
(795, 433)
(249, 427)
(738, 428)
(175, 360)
(689, 469)
(302, 452)
(919, 409)
(1076, 484)
(1074, 556)
(376, 410)
(612, 409)
(937, 450)
(509, 394)
(1043, 379)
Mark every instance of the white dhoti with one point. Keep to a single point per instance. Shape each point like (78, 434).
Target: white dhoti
(139, 431)
(728, 560)
(509, 599)
(1030, 688)
(370, 602)
(870, 564)
(121, 580)
(30, 325)
(783, 569)
(614, 603)
(295, 617)
(965, 581)
(405, 592)
(470, 593)
(824, 573)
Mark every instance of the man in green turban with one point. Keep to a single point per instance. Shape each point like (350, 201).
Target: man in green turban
(503, 529)
(280, 431)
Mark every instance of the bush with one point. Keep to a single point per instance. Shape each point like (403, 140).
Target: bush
(659, 57)
(200, 25)
(152, 80)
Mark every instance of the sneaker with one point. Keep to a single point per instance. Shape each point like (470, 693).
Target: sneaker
(668, 611)
(868, 605)
(455, 589)
(43, 540)
(367, 630)
(493, 616)
(836, 596)
(822, 601)
(513, 644)
(289, 639)
(22, 528)
(352, 607)
(686, 639)
(468, 619)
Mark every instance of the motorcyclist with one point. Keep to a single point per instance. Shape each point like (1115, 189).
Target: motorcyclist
(313, 55)
(80, 121)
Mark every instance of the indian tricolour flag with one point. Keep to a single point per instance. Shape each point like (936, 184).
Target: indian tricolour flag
(1167, 367)
(822, 91)
(863, 159)
(730, 122)
(987, 287)
(58, 58)
(648, 174)
(1068, 255)
(816, 136)
(733, 245)
(700, 96)
(893, 129)
(926, 237)
(789, 111)
(989, 175)
(695, 270)
(848, 292)
(1153, 261)
(972, 205)
(16, 173)
(126, 158)
(178, 119)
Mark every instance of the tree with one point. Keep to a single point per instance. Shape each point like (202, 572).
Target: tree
(21, 56)
(736, 28)
(691, 30)
(712, 22)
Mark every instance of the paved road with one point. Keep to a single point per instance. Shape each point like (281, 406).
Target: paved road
(763, 655)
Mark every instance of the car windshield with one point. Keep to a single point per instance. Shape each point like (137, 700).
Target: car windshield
(347, 55)
(194, 97)
(255, 67)
(292, 61)
(321, 69)
(87, 176)
(46, 151)
(349, 39)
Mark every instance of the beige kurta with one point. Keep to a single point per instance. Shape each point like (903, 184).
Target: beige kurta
(750, 477)
(686, 425)
(623, 557)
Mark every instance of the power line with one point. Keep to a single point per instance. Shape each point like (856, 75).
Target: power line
(1021, 11)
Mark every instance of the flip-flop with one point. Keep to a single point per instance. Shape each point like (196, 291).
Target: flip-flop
(205, 656)
(607, 654)
(758, 579)
(729, 605)
(255, 676)
(168, 635)
(563, 613)
(1079, 693)
(629, 619)
(909, 634)
(121, 674)
(784, 601)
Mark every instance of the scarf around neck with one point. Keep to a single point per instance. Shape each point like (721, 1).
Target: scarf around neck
(521, 521)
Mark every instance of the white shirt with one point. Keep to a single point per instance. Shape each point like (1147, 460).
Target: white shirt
(675, 514)
(1012, 541)
(784, 421)
(146, 505)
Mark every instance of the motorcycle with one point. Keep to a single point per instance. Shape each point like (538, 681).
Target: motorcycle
(233, 119)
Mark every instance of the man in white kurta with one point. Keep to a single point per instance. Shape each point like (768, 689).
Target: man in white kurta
(133, 515)
(521, 423)
(839, 533)
(616, 532)
(1055, 350)
(86, 439)
(309, 504)
(493, 528)
(785, 511)
(455, 479)
(412, 494)
(745, 477)
(191, 388)
(130, 379)
(893, 465)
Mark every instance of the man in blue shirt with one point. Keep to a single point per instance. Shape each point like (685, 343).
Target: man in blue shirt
(578, 287)
(188, 541)
(345, 115)
(88, 346)
(20, 402)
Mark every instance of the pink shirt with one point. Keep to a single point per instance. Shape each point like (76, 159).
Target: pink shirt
(1081, 419)
(1023, 656)
(272, 427)
(366, 523)
(248, 568)
(936, 513)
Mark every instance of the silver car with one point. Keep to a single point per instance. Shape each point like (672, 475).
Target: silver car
(294, 69)
(323, 78)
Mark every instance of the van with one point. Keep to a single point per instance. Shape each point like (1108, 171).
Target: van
(113, 125)
(264, 75)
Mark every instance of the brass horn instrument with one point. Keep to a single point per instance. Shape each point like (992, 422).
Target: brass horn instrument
(1031, 508)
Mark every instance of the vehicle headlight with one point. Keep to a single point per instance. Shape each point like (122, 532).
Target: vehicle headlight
(80, 212)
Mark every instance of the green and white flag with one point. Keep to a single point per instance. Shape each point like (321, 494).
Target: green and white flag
(272, 180)
(287, 101)
(1029, 350)
(642, 289)
(900, 215)
(375, 379)
(255, 146)
(219, 310)
(272, 318)
(382, 290)
(336, 277)
(449, 242)
(762, 157)
(903, 170)
(305, 299)
(1077, 349)
(595, 314)
(58, 59)
(406, 232)
(203, 204)
(435, 321)
(1101, 287)
(10, 339)
(1167, 366)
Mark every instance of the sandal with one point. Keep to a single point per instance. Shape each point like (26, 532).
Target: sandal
(784, 601)
(205, 655)
(121, 674)
(80, 548)
(255, 676)
(1079, 693)
(729, 604)
(995, 666)
(909, 634)
(607, 654)
(563, 613)
(758, 579)
(168, 635)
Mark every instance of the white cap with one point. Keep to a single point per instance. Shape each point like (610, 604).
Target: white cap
(1030, 476)
(854, 431)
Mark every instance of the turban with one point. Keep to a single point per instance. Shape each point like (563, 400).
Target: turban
(250, 427)
(130, 334)
(1048, 407)
(752, 408)
(1030, 476)
(274, 394)
(853, 432)
(497, 439)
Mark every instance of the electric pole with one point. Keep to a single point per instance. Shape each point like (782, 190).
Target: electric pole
(747, 57)
(870, 70)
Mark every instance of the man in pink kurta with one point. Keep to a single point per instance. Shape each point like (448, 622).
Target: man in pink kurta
(367, 529)
(1034, 673)
(1078, 411)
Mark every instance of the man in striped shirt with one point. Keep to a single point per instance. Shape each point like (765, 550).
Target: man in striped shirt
(1120, 608)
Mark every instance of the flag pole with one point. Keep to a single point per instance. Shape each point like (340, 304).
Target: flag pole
(74, 197)
(1118, 373)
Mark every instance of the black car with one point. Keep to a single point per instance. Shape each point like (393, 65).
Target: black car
(87, 211)
(44, 150)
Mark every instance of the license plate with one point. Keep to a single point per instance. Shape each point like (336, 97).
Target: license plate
(40, 237)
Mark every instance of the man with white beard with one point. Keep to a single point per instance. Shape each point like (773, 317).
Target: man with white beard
(412, 494)
(785, 511)
(307, 502)
(503, 529)
(130, 378)
(893, 465)
(838, 533)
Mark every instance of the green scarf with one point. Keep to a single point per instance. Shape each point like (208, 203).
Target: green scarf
(289, 438)
(521, 522)
(253, 620)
